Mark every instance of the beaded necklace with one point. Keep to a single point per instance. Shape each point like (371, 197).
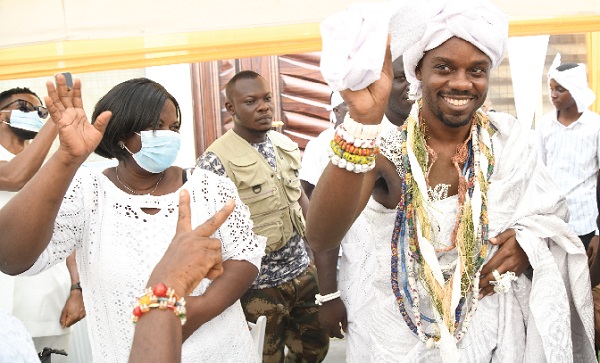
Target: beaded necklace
(413, 258)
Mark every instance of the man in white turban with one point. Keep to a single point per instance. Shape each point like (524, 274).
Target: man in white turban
(474, 259)
(570, 144)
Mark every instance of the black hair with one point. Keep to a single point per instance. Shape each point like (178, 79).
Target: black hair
(566, 66)
(15, 91)
(136, 105)
(239, 76)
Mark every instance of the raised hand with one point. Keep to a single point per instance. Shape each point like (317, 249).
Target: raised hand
(509, 257)
(78, 138)
(368, 105)
(193, 254)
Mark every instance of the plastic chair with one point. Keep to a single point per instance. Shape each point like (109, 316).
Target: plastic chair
(257, 330)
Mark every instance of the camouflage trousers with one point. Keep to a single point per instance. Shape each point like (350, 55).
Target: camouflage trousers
(292, 319)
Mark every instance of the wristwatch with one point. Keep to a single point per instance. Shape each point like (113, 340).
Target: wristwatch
(76, 286)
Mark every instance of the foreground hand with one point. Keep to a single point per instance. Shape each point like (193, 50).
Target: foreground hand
(78, 138)
(74, 310)
(368, 105)
(333, 318)
(193, 254)
(509, 257)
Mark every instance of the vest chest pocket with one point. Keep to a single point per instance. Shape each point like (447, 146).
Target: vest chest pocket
(290, 165)
(255, 188)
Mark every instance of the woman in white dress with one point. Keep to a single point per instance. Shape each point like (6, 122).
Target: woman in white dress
(122, 220)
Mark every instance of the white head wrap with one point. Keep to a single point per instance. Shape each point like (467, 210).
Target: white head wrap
(336, 100)
(479, 22)
(575, 81)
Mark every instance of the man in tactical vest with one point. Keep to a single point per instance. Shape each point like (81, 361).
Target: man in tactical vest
(264, 166)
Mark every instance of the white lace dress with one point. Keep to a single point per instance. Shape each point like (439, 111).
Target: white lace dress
(118, 245)
(16, 345)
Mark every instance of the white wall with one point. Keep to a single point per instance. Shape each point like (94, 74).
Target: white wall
(177, 80)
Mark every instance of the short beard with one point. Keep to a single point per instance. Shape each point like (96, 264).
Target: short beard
(23, 134)
(462, 123)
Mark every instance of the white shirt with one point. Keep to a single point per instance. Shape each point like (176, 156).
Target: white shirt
(118, 245)
(572, 155)
(316, 156)
(38, 300)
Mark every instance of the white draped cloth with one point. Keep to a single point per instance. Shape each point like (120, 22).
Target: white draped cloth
(546, 319)
(354, 39)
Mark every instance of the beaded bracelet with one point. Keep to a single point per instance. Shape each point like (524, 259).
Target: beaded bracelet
(159, 296)
(320, 299)
(357, 168)
(356, 130)
(353, 157)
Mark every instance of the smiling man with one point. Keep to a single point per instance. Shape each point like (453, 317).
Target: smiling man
(264, 165)
(470, 240)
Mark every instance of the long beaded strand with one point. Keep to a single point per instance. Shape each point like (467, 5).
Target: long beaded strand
(405, 217)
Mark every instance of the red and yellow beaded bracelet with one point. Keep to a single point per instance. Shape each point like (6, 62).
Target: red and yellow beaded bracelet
(161, 297)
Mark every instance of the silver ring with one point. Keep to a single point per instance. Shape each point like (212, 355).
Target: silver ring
(503, 282)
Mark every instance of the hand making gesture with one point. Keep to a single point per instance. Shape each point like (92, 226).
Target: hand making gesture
(78, 138)
(193, 254)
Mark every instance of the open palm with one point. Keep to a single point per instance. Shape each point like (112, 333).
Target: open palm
(78, 138)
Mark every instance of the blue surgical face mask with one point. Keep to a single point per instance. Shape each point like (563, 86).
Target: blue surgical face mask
(159, 150)
(29, 121)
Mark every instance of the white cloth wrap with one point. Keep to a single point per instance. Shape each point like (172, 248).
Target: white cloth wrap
(477, 21)
(546, 319)
(556, 254)
(575, 81)
(354, 40)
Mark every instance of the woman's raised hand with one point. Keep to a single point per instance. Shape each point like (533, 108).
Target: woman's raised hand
(78, 138)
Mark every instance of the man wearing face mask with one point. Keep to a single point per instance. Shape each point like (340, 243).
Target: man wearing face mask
(46, 304)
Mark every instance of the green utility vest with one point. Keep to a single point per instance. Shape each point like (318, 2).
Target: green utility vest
(271, 196)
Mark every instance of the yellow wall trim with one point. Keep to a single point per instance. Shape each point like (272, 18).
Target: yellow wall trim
(79, 56)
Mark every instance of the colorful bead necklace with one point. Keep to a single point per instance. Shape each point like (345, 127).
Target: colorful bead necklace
(469, 236)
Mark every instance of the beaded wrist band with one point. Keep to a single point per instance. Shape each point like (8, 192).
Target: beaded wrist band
(159, 296)
(356, 130)
(320, 299)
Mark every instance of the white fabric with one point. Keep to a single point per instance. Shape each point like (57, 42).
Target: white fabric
(512, 327)
(316, 157)
(527, 62)
(355, 282)
(16, 345)
(357, 260)
(479, 22)
(575, 81)
(354, 40)
(572, 155)
(118, 245)
(37, 301)
(336, 100)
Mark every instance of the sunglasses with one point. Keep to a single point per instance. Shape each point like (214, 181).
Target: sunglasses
(26, 106)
